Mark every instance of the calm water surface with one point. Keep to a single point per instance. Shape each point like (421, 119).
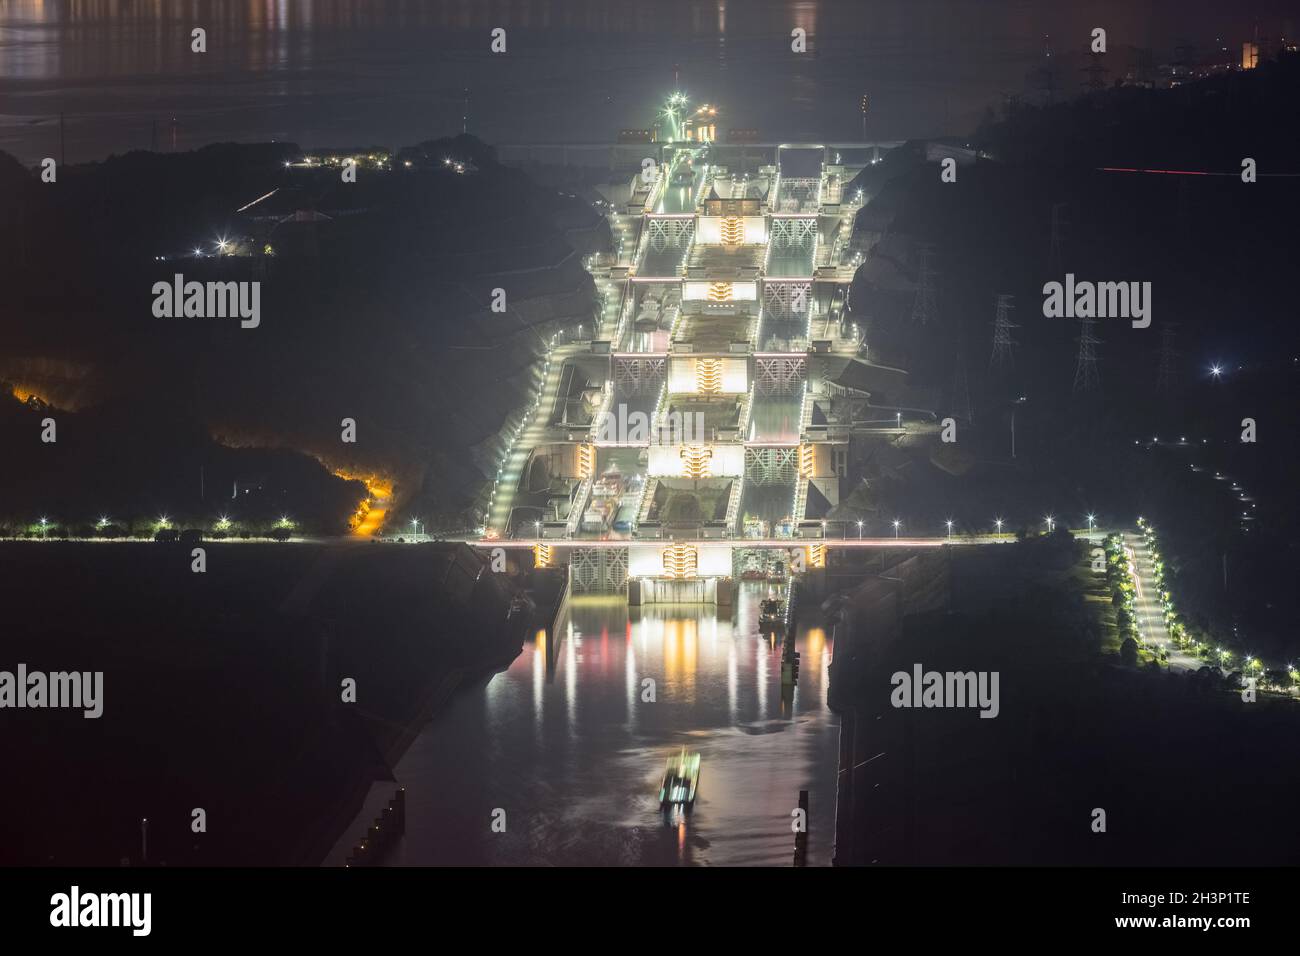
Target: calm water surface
(574, 757)
(363, 72)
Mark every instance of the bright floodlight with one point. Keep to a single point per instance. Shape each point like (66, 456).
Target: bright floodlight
(1216, 370)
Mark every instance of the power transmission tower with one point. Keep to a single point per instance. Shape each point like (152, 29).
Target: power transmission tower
(923, 306)
(1167, 372)
(1086, 378)
(1058, 237)
(1003, 344)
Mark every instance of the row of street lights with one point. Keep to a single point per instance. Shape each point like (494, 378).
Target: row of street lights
(1049, 521)
(223, 523)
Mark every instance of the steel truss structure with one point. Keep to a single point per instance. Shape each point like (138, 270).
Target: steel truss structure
(771, 466)
(782, 299)
(637, 376)
(669, 232)
(598, 570)
(780, 375)
(792, 232)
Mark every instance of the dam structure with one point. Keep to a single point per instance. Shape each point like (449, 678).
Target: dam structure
(701, 434)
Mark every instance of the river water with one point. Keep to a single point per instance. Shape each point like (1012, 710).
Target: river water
(350, 73)
(574, 756)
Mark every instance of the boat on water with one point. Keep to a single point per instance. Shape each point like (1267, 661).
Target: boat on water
(681, 780)
(771, 614)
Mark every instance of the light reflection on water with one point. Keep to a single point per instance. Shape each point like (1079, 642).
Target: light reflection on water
(574, 758)
(358, 73)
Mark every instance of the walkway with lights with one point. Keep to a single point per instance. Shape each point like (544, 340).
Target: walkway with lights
(536, 431)
(1147, 608)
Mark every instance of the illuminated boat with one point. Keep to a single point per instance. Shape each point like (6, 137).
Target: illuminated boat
(771, 614)
(681, 780)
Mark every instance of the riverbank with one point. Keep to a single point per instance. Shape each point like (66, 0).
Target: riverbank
(224, 691)
(1086, 761)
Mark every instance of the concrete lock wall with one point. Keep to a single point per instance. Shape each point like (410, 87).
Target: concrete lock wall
(710, 229)
(646, 561)
(666, 461)
(681, 374)
(719, 591)
(698, 291)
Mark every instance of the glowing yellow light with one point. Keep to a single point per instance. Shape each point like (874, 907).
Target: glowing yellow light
(806, 460)
(680, 561)
(695, 460)
(720, 292)
(733, 231)
(816, 555)
(708, 376)
(586, 460)
(541, 555)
